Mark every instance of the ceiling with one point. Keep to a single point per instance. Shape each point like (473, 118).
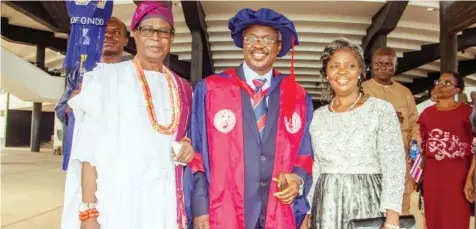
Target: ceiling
(317, 23)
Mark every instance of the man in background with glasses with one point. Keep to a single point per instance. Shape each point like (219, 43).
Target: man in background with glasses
(115, 39)
(384, 66)
(250, 132)
(130, 145)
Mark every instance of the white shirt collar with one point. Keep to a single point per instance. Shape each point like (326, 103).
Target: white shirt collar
(250, 75)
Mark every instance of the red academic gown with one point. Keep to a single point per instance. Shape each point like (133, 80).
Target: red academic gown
(233, 167)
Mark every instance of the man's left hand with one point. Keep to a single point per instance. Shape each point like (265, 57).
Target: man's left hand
(186, 152)
(290, 193)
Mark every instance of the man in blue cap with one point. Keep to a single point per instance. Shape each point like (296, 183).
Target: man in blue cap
(249, 129)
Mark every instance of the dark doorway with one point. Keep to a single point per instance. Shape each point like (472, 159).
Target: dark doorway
(19, 128)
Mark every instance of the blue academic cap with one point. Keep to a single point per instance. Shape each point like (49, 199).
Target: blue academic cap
(267, 17)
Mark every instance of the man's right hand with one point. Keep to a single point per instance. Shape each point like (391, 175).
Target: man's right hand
(306, 222)
(73, 93)
(200, 222)
(91, 223)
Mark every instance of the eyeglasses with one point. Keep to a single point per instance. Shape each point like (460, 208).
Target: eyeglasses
(444, 83)
(149, 32)
(251, 40)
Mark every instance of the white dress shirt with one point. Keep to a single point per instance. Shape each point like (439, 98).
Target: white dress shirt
(250, 75)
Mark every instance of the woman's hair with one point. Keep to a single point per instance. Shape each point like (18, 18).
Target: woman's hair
(459, 80)
(338, 44)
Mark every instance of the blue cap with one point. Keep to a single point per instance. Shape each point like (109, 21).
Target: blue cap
(267, 17)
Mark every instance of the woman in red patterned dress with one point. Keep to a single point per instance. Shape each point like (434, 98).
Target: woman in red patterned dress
(446, 141)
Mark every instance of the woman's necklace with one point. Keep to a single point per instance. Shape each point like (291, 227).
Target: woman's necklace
(170, 128)
(350, 108)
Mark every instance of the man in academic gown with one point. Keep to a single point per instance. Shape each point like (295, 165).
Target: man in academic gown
(250, 124)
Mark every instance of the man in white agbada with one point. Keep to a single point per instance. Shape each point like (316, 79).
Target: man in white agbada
(123, 172)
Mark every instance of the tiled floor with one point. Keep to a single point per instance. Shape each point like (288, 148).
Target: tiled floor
(32, 189)
(33, 185)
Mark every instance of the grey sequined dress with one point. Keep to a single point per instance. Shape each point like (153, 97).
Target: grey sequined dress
(359, 168)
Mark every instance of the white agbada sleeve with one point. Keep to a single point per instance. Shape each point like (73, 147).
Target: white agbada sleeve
(89, 131)
(89, 124)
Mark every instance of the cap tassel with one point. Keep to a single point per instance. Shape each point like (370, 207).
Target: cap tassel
(292, 60)
(290, 88)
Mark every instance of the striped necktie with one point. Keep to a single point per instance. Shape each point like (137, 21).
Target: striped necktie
(259, 105)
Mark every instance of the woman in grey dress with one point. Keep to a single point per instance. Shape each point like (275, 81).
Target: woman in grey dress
(359, 166)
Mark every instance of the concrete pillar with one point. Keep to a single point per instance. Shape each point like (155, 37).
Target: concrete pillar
(35, 127)
(448, 41)
(36, 111)
(196, 63)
